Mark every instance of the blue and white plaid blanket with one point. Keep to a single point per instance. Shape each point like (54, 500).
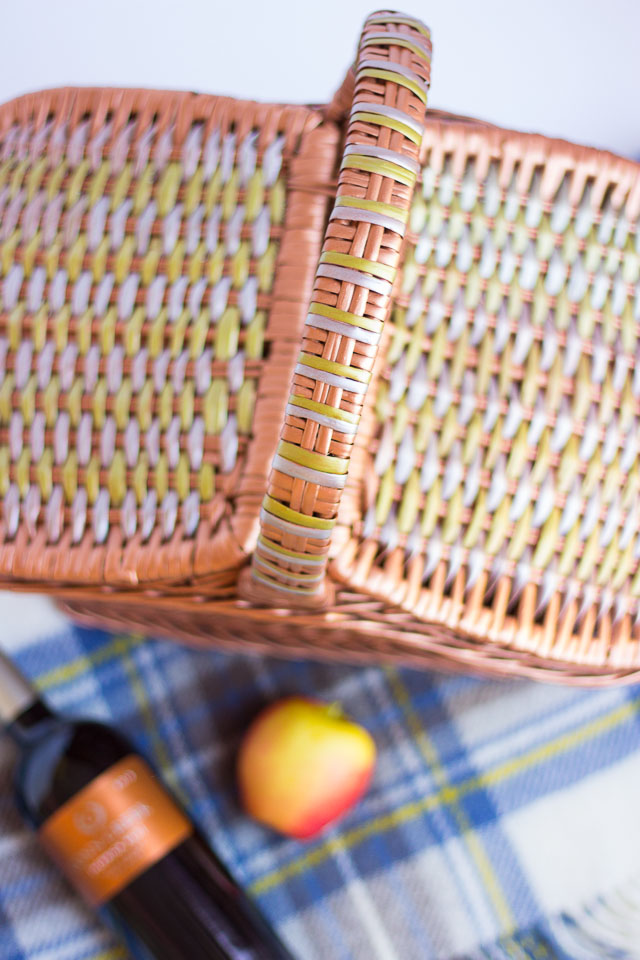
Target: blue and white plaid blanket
(502, 820)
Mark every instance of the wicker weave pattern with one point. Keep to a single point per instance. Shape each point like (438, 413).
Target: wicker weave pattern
(473, 483)
(501, 484)
(137, 263)
(350, 301)
(488, 198)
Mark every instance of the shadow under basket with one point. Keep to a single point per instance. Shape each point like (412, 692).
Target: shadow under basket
(355, 382)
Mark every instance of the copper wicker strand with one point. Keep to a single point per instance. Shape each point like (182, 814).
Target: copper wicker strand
(350, 302)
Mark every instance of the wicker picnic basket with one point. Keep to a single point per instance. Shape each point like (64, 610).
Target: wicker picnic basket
(333, 382)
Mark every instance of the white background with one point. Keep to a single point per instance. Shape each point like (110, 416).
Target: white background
(567, 68)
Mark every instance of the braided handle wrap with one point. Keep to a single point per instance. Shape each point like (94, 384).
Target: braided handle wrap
(351, 299)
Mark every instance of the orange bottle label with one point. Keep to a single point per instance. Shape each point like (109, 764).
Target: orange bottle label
(114, 829)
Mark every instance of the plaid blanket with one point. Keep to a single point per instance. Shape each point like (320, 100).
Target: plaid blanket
(502, 820)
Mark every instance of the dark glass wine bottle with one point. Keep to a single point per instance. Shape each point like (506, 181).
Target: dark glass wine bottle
(122, 840)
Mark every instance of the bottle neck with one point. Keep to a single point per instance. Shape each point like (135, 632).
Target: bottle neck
(21, 710)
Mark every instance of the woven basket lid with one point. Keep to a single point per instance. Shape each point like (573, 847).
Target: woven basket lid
(494, 488)
(156, 254)
(476, 500)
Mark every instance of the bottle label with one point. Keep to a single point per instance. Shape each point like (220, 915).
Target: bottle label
(114, 829)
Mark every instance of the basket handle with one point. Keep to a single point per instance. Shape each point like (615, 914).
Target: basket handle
(351, 299)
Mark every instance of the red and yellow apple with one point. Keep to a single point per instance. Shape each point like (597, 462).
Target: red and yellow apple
(301, 764)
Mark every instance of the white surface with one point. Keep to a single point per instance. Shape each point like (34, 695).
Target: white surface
(562, 67)
(25, 617)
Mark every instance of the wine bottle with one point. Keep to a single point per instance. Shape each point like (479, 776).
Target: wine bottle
(122, 840)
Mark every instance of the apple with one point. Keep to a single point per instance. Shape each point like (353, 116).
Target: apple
(301, 764)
